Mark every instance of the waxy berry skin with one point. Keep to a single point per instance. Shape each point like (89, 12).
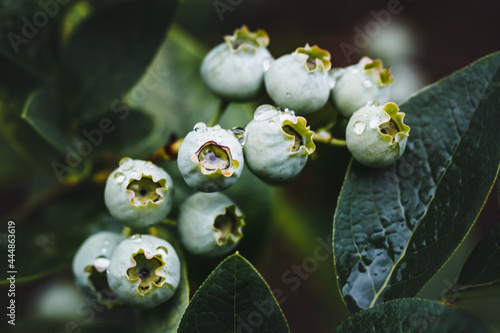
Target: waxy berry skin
(144, 271)
(376, 135)
(210, 224)
(277, 144)
(210, 158)
(139, 193)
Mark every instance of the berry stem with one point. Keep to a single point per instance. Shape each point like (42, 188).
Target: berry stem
(126, 231)
(220, 111)
(326, 137)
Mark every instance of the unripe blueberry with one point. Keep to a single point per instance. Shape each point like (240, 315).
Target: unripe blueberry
(91, 262)
(234, 70)
(210, 159)
(277, 144)
(210, 224)
(299, 81)
(376, 135)
(366, 82)
(138, 193)
(144, 271)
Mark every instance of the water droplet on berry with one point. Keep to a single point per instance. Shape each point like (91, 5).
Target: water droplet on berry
(240, 134)
(119, 178)
(271, 123)
(106, 242)
(136, 238)
(367, 83)
(359, 127)
(374, 121)
(200, 127)
(104, 250)
(150, 165)
(370, 102)
(219, 139)
(101, 264)
(265, 112)
(354, 71)
(126, 163)
(217, 127)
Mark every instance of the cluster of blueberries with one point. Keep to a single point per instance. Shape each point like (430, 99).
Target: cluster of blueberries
(144, 270)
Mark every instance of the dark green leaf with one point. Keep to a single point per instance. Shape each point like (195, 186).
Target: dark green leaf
(412, 315)
(480, 274)
(125, 131)
(394, 228)
(234, 298)
(42, 111)
(110, 50)
(29, 35)
(24, 140)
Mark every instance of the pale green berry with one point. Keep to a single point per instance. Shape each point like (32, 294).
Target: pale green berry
(210, 158)
(299, 81)
(376, 135)
(91, 262)
(234, 70)
(277, 144)
(138, 193)
(210, 224)
(144, 271)
(366, 82)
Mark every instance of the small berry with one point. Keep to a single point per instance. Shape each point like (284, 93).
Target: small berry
(138, 193)
(91, 262)
(366, 82)
(277, 144)
(376, 135)
(210, 159)
(234, 70)
(210, 224)
(144, 271)
(299, 81)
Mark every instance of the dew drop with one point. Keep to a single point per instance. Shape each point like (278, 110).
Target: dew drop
(200, 127)
(101, 264)
(271, 123)
(359, 127)
(367, 83)
(374, 121)
(217, 127)
(126, 163)
(265, 112)
(136, 238)
(104, 250)
(240, 134)
(106, 242)
(354, 71)
(135, 175)
(119, 178)
(219, 139)
(370, 102)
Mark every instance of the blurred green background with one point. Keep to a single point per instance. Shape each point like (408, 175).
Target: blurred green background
(67, 75)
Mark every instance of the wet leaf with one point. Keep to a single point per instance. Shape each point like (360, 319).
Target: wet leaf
(394, 228)
(233, 298)
(412, 315)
